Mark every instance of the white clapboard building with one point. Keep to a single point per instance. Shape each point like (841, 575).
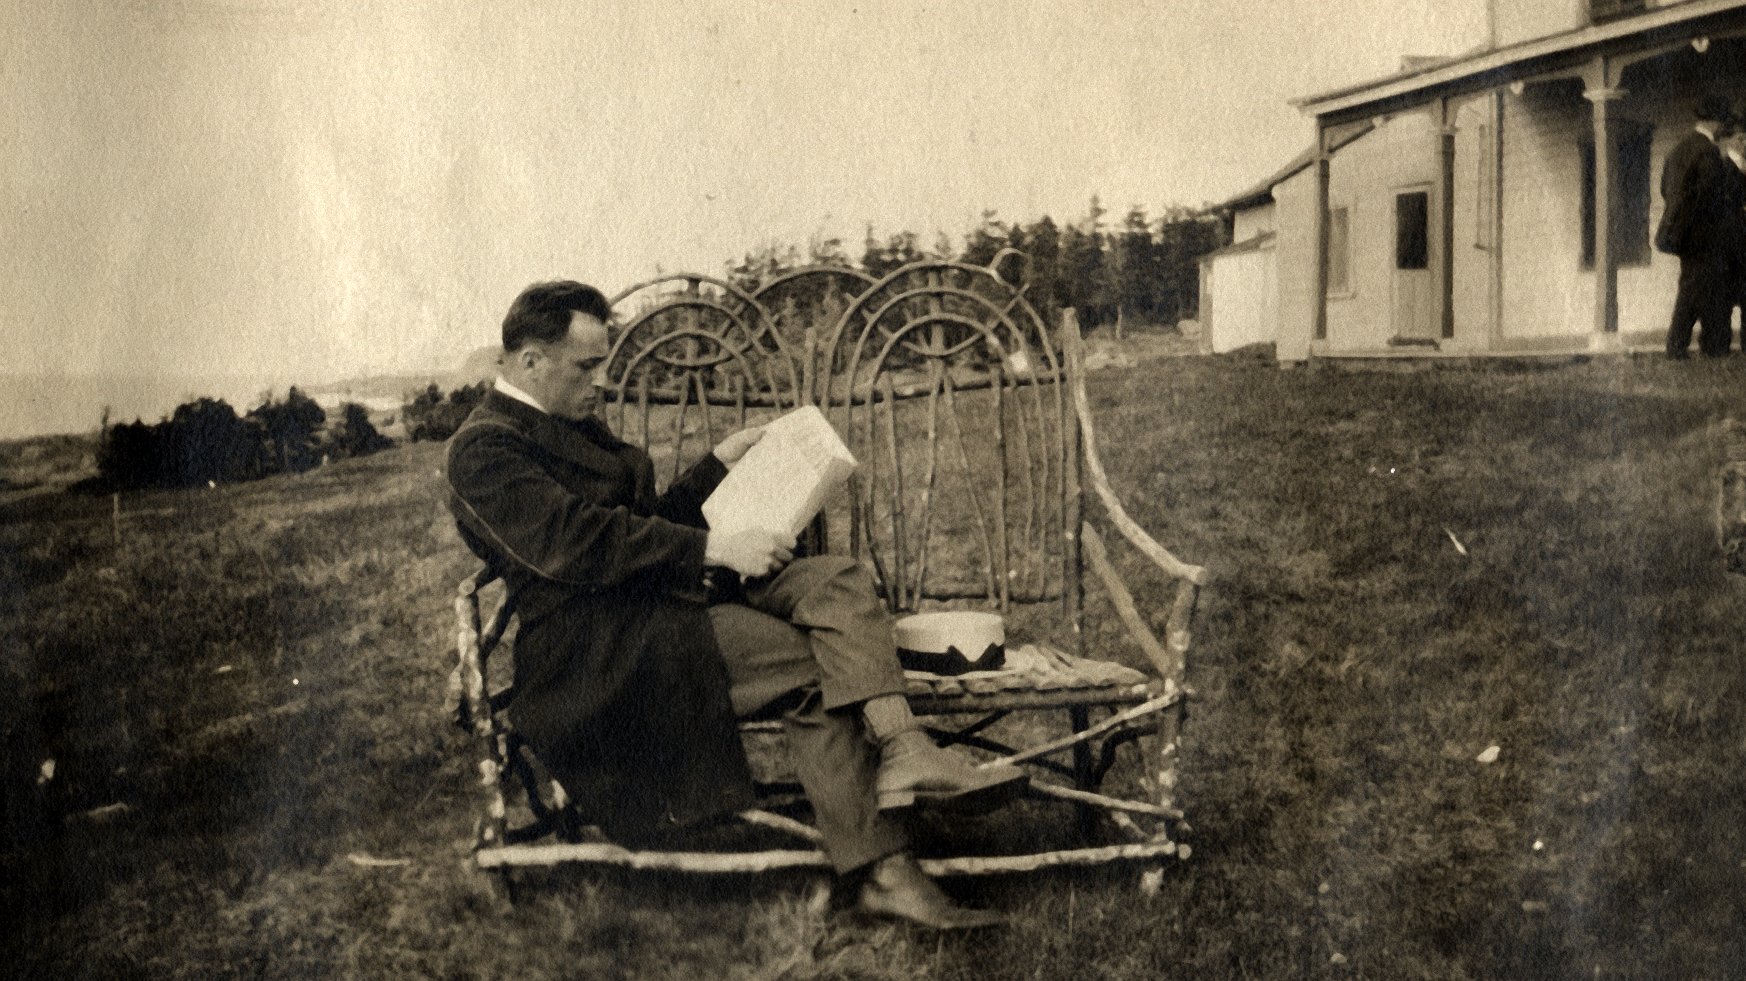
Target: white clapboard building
(1461, 207)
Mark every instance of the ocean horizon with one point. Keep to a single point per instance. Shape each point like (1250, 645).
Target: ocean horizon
(42, 405)
(45, 405)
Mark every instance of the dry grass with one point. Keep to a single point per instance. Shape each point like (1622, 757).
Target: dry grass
(257, 673)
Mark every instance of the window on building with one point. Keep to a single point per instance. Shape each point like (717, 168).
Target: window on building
(1412, 224)
(1339, 250)
(1631, 235)
(1604, 10)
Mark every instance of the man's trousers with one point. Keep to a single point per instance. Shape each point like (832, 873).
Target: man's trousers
(1706, 296)
(811, 644)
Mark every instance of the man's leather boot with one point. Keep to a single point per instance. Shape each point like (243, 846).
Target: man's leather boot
(897, 888)
(912, 769)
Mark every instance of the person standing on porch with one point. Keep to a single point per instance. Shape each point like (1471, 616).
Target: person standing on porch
(1697, 227)
(1733, 144)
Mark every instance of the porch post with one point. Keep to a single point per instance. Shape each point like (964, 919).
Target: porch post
(1497, 217)
(1606, 211)
(1319, 231)
(1443, 243)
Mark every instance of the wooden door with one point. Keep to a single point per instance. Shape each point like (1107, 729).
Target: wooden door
(1413, 307)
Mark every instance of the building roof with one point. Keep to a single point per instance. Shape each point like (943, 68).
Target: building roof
(1485, 61)
(1253, 243)
(1262, 193)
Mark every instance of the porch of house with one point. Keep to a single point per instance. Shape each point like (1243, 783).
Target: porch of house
(1475, 217)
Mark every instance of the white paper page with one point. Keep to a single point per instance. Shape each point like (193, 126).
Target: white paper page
(784, 480)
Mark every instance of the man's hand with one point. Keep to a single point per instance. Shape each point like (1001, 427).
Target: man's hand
(750, 553)
(729, 450)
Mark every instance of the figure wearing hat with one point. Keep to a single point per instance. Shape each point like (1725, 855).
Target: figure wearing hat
(1697, 225)
(1733, 146)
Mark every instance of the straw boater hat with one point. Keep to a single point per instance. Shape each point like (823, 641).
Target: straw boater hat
(951, 642)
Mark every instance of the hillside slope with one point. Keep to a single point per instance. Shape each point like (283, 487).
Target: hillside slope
(1471, 696)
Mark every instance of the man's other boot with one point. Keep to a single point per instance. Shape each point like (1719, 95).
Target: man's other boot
(897, 888)
(912, 769)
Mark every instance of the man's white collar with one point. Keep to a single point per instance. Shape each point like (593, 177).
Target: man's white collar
(516, 393)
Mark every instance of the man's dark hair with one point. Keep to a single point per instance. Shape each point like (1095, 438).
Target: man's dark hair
(542, 312)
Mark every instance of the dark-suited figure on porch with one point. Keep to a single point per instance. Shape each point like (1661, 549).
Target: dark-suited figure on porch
(632, 665)
(1696, 225)
(1733, 145)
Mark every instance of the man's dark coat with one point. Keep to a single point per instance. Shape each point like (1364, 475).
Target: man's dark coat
(1694, 223)
(620, 688)
(1734, 239)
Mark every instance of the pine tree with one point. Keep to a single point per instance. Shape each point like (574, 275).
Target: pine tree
(1134, 269)
(292, 427)
(355, 434)
(878, 259)
(1085, 273)
(1042, 241)
(987, 239)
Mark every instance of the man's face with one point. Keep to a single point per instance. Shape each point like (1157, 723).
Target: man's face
(572, 370)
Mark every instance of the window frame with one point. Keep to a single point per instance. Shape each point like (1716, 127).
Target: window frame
(1340, 251)
(1412, 246)
(1631, 238)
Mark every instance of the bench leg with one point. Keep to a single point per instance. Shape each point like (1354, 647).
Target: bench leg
(503, 885)
(1164, 770)
(1084, 773)
(1083, 777)
(1160, 778)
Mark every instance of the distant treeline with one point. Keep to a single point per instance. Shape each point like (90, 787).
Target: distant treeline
(206, 442)
(1143, 269)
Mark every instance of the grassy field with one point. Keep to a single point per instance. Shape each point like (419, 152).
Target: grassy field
(1414, 567)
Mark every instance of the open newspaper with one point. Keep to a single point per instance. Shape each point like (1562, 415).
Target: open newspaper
(784, 479)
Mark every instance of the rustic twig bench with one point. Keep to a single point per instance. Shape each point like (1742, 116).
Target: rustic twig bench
(969, 417)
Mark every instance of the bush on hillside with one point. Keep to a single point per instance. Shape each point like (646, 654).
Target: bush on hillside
(354, 434)
(127, 455)
(430, 416)
(292, 429)
(204, 441)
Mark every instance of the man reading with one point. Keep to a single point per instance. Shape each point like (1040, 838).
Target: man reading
(630, 675)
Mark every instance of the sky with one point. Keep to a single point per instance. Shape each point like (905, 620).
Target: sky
(308, 190)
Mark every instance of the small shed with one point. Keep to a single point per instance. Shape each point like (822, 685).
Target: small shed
(1239, 295)
(1258, 289)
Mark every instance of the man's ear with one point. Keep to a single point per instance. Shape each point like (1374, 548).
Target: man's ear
(529, 357)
